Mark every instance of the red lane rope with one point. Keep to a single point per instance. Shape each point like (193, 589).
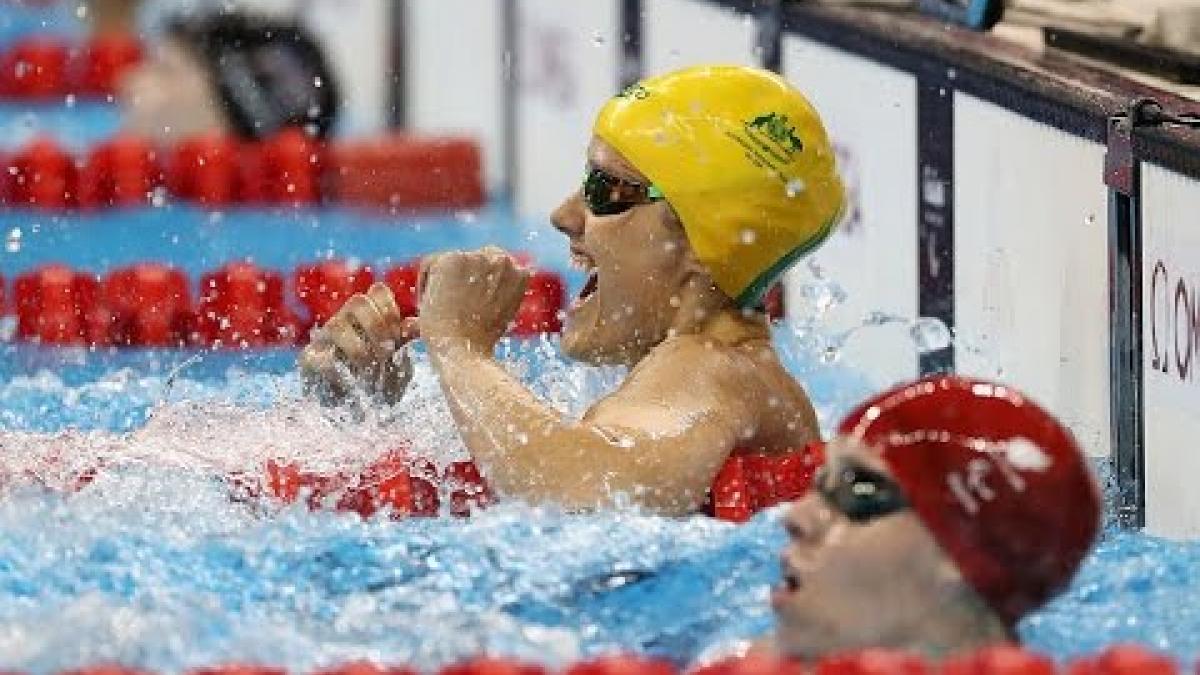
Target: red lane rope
(239, 305)
(1000, 659)
(41, 68)
(401, 173)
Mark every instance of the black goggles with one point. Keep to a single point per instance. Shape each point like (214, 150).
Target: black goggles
(607, 195)
(859, 493)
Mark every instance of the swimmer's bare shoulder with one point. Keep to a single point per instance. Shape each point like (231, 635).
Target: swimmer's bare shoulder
(781, 415)
(743, 390)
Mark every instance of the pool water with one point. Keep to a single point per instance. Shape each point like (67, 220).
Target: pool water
(155, 566)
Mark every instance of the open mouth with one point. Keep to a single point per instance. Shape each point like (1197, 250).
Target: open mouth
(589, 287)
(583, 262)
(788, 586)
(791, 582)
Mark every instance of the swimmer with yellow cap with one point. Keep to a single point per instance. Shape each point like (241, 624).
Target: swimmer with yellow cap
(701, 186)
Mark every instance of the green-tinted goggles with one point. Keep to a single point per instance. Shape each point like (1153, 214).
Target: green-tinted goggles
(860, 494)
(606, 194)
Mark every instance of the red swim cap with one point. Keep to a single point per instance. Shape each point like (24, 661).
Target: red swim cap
(1001, 485)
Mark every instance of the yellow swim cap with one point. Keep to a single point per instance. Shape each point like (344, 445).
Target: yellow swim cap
(743, 159)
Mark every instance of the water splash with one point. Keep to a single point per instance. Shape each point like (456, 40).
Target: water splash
(152, 564)
(12, 243)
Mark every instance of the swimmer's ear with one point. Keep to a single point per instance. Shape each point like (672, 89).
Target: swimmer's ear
(692, 264)
(672, 217)
(423, 276)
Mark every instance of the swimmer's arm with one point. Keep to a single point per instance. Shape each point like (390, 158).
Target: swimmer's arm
(660, 439)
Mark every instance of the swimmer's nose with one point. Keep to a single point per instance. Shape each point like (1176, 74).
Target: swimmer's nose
(569, 217)
(807, 521)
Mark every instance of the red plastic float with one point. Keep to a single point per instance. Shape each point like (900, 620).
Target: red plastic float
(35, 68)
(541, 308)
(241, 305)
(122, 172)
(204, 169)
(325, 286)
(1007, 659)
(407, 173)
(1124, 660)
(150, 305)
(406, 485)
(403, 282)
(873, 662)
(749, 483)
(104, 61)
(754, 664)
(42, 176)
(468, 490)
(621, 665)
(289, 169)
(40, 68)
(493, 666)
(57, 306)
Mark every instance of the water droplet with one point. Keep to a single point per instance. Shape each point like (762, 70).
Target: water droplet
(598, 39)
(12, 243)
(317, 82)
(831, 354)
(929, 334)
(795, 187)
(823, 295)
(70, 100)
(158, 197)
(1090, 219)
(748, 236)
(877, 318)
(951, 73)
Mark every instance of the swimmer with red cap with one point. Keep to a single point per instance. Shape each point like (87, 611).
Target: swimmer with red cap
(949, 508)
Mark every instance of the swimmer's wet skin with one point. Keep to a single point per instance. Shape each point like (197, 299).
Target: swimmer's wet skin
(701, 187)
(949, 509)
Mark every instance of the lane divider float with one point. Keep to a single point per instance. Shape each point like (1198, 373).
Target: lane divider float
(1004, 659)
(400, 173)
(239, 305)
(39, 68)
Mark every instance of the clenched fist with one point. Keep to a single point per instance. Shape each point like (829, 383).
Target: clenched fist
(363, 346)
(470, 295)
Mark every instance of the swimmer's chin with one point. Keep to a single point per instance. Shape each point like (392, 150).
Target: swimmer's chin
(584, 344)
